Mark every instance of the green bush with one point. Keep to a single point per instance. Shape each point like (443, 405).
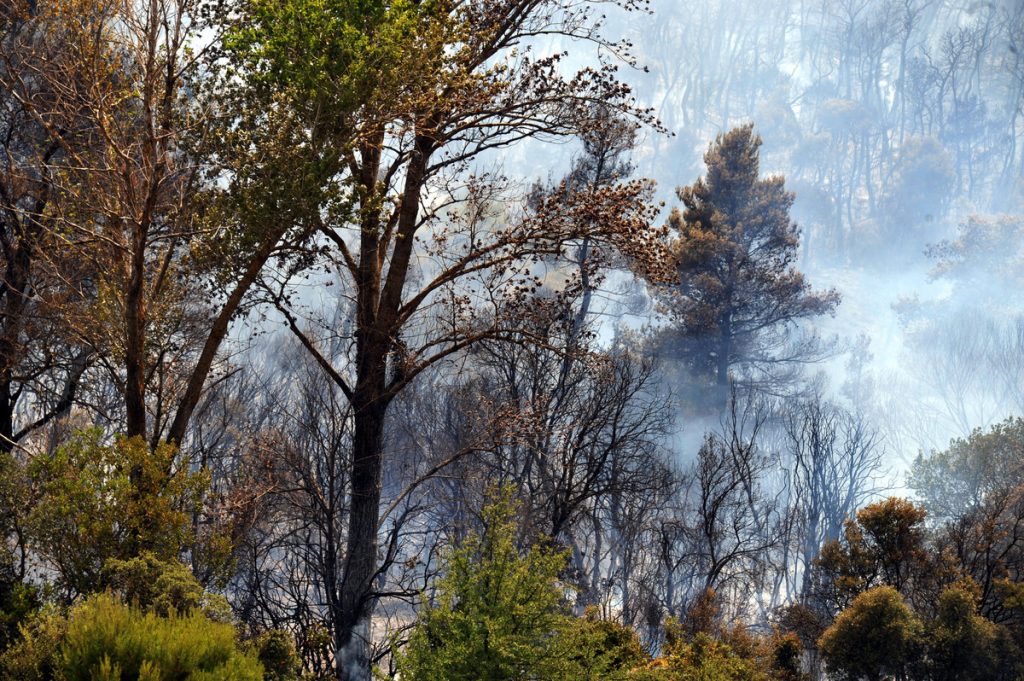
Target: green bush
(500, 615)
(109, 641)
(18, 602)
(163, 587)
(33, 656)
(100, 501)
(599, 650)
(497, 614)
(877, 636)
(277, 654)
(704, 658)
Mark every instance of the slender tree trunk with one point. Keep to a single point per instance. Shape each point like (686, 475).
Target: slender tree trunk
(6, 414)
(15, 285)
(218, 332)
(722, 368)
(135, 339)
(352, 638)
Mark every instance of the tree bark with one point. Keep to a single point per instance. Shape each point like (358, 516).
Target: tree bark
(352, 636)
(722, 368)
(218, 332)
(135, 339)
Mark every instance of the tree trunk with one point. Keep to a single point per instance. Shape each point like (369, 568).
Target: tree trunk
(135, 339)
(6, 415)
(722, 368)
(218, 332)
(352, 638)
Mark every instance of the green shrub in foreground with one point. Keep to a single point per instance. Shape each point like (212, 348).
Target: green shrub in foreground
(109, 641)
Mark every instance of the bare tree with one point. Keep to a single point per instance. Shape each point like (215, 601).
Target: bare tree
(833, 462)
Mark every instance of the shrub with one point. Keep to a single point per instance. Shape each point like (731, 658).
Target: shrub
(277, 654)
(877, 635)
(99, 501)
(599, 650)
(498, 611)
(703, 658)
(33, 656)
(108, 641)
(163, 587)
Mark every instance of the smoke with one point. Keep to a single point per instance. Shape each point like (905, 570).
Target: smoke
(894, 123)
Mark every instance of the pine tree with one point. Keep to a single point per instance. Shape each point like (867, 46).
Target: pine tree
(497, 613)
(739, 293)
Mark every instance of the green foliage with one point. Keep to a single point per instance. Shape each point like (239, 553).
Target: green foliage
(701, 648)
(17, 602)
(32, 656)
(877, 635)
(963, 646)
(99, 501)
(497, 613)
(598, 649)
(960, 478)
(305, 77)
(111, 641)
(277, 654)
(336, 52)
(162, 587)
(704, 658)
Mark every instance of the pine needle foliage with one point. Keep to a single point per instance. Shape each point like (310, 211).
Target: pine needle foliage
(497, 613)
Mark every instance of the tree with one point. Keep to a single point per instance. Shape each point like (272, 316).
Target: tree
(413, 240)
(730, 521)
(918, 195)
(971, 470)
(973, 489)
(964, 645)
(114, 111)
(739, 297)
(875, 637)
(983, 260)
(883, 545)
(42, 361)
(497, 613)
(587, 427)
(97, 501)
(124, 207)
(832, 457)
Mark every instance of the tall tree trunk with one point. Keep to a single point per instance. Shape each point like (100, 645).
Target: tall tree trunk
(135, 339)
(722, 361)
(6, 414)
(352, 638)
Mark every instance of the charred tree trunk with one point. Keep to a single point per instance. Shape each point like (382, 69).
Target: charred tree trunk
(379, 300)
(352, 637)
(14, 284)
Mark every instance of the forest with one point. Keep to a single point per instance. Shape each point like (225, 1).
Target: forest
(512, 340)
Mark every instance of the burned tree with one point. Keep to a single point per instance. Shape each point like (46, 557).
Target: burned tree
(740, 297)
